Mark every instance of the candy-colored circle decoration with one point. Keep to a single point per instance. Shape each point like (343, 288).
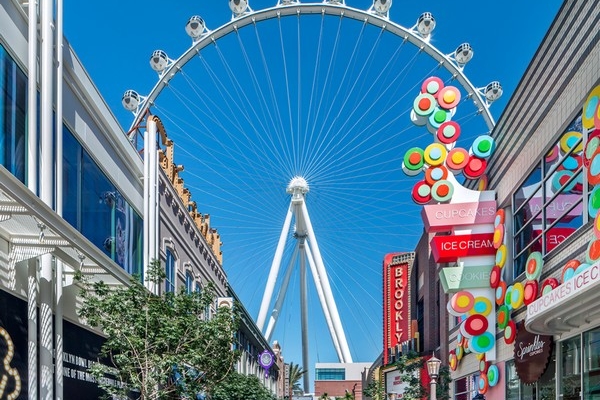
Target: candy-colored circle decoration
(435, 154)
(481, 305)
(561, 178)
(466, 346)
(548, 285)
(459, 339)
(462, 301)
(530, 292)
(597, 226)
(442, 190)
(495, 276)
(483, 183)
(432, 85)
(483, 385)
(593, 251)
(502, 316)
(582, 268)
(480, 356)
(508, 297)
(413, 161)
(510, 332)
(437, 117)
(448, 132)
(594, 201)
(482, 343)
(533, 266)
(517, 295)
(590, 109)
(572, 162)
(501, 256)
(452, 360)
(424, 104)
(570, 140)
(483, 146)
(434, 174)
(457, 159)
(475, 325)
(421, 193)
(498, 237)
(460, 352)
(553, 154)
(500, 292)
(474, 168)
(500, 217)
(448, 97)
(593, 171)
(483, 366)
(591, 148)
(493, 375)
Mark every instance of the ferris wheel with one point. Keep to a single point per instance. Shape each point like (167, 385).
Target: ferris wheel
(292, 122)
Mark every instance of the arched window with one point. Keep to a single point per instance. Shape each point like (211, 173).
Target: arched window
(189, 282)
(170, 268)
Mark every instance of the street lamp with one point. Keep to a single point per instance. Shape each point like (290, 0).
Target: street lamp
(433, 368)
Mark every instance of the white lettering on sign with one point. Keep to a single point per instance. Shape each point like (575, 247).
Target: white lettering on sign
(399, 303)
(569, 288)
(467, 244)
(531, 349)
(468, 276)
(465, 213)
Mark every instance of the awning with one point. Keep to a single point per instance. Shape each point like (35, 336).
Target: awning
(569, 306)
(29, 228)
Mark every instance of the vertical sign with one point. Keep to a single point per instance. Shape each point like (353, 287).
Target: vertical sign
(397, 301)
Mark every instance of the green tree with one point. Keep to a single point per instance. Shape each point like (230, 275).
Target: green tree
(241, 387)
(346, 396)
(296, 372)
(374, 390)
(158, 346)
(410, 365)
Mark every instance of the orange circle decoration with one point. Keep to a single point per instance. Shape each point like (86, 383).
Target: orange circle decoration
(452, 360)
(593, 251)
(501, 256)
(568, 270)
(457, 159)
(448, 97)
(503, 316)
(448, 132)
(498, 237)
(516, 296)
(483, 384)
(421, 193)
(435, 154)
(597, 226)
(530, 292)
(591, 107)
(481, 305)
(475, 325)
(432, 85)
(493, 375)
(442, 191)
(500, 292)
(434, 174)
(495, 276)
(510, 332)
(549, 285)
(474, 168)
(500, 218)
(533, 266)
(462, 302)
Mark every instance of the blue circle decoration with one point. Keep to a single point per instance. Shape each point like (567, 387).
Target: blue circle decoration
(482, 343)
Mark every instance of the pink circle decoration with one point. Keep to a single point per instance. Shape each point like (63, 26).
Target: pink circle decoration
(498, 237)
(503, 316)
(534, 266)
(530, 292)
(448, 97)
(500, 292)
(421, 193)
(548, 285)
(553, 154)
(432, 85)
(495, 276)
(448, 132)
(510, 332)
(482, 343)
(475, 325)
(457, 159)
(493, 375)
(474, 168)
(462, 301)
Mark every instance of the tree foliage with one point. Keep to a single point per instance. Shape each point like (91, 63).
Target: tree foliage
(410, 364)
(241, 387)
(158, 346)
(374, 390)
(296, 373)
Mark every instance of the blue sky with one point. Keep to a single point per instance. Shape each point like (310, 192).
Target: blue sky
(245, 124)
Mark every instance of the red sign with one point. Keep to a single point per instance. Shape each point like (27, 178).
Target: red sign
(554, 237)
(396, 318)
(450, 248)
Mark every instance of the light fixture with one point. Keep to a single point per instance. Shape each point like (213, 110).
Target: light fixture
(433, 368)
(425, 24)
(195, 27)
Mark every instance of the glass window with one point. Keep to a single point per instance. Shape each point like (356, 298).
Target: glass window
(549, 206)
(189, 282)
(591, 365)
(13, 116)
(170, 272)
(330, 374)
(465, 388)
(570, 379)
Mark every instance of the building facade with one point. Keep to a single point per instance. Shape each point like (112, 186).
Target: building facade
(339, 379)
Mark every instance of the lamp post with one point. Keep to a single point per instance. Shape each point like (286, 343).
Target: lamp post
(433, 368)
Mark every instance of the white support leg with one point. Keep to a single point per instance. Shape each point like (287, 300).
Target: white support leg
(280, 297)
(304, 315)
(268, 295)
(335, 316)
